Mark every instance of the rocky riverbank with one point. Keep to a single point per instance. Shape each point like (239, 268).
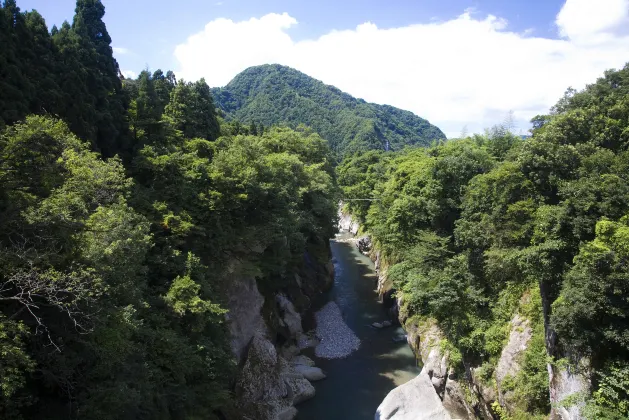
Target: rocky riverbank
(465, 395)
(337, 340)
(267, 338)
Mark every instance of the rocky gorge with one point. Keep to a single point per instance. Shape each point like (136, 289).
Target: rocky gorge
(280, 363)
(266, 340)
(466, 394)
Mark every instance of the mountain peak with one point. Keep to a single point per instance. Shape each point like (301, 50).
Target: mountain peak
(275, 94)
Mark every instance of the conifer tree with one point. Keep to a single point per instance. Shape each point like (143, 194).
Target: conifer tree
(103, 79)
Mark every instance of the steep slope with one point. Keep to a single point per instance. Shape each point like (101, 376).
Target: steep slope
(274, 94)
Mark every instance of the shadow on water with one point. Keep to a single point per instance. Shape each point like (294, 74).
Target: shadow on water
(356, 385)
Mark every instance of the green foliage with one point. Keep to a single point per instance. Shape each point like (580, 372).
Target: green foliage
(476, 230)
(192, 110)
(115, 285)
(70, 73)
(611, 400)
(16, 362)
(591, 311)
(274, 94)
(359, 175)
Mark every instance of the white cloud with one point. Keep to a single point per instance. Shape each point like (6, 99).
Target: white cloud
(580, 19)
(129, 74)
(468, 71)
(120, 50)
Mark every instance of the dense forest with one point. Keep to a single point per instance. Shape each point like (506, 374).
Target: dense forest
(476, 229)
(123, 206)
(274, 94)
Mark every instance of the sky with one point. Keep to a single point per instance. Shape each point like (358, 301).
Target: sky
(462, 64)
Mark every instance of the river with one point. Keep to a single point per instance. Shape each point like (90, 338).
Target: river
(356, 385)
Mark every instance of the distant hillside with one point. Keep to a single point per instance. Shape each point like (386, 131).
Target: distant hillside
(274, 94)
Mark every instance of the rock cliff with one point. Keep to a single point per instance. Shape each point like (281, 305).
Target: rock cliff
(266, 335)
(465, 395)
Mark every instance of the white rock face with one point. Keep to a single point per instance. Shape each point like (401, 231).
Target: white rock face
(347, 223)
(508, 364)
(415, 400)
(310, 372)
(353, 228)
(566, 382)
(426, 342)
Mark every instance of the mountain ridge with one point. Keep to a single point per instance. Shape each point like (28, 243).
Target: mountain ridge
(273, 94)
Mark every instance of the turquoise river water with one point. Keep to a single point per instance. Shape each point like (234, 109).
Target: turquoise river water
(356, 385)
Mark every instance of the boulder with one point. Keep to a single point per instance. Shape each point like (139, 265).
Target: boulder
(290, 316)
(306, 341)
(377, 325)
(260, 390)
(302, 360)
(364, 244)
(399, 338)
(386, 324)
(288, 414)
(268, 385)
(310, 372)
(299, 388)
(415, 400)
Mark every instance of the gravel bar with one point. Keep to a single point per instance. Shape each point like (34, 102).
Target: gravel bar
(337, 339)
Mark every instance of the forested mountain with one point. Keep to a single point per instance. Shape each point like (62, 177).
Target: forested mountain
(477, 232)
(274, 94)
(126, 211)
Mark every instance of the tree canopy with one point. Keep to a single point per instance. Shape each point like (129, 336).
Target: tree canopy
(123, 207)
(477, 229)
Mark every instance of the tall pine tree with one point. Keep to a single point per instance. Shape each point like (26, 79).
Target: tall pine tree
(103, 80)
(15, 87)
(192, 110)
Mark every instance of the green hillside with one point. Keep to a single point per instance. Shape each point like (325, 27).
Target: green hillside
(274, 94)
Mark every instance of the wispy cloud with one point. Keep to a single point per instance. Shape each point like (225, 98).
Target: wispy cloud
(121, 50)
(129, 74)
(467, 71)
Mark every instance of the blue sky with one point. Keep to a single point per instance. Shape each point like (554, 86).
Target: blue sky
(150, 29)
(462, 64)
